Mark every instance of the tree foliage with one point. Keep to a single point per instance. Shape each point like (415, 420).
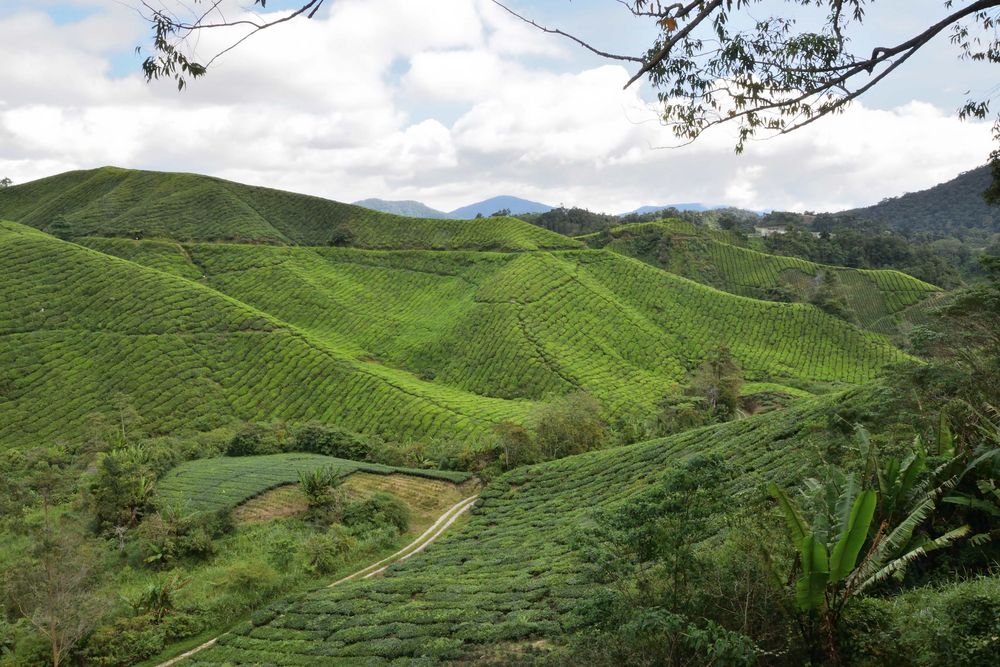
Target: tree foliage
(711, 61)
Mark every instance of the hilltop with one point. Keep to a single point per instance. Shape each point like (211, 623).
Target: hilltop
(952, 208)
(112, 202)
(488, 207)
(406, 207)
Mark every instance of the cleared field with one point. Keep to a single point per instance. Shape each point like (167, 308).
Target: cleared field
(223, 483)
(427, 498)
(511, 573)
(132, 204)
(880, 299)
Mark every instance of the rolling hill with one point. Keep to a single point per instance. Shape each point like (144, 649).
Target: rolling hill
(488, 207)
(122, 203)
(445, 339)
(945, 209)
(883, 301)
(406, 207)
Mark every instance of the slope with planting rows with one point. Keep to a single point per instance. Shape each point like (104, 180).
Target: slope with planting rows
(878, 299)
(511, 573)
(446, 338)
(525, 325)
(125, 203)
(215, 484)
(80, 326)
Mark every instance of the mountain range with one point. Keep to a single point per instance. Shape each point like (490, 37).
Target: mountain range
(487, 207)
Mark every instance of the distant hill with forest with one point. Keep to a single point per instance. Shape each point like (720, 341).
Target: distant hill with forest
(954, 208)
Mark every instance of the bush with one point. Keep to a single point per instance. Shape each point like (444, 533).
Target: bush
(332, 441)
(253, 440)
(125, 642)
(380, 509)
(569, 425)
(954, 625)
(326, 552)
(168, 536)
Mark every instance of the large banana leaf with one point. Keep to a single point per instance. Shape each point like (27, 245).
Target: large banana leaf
(810, 588)
(845, 552)
(797, 526)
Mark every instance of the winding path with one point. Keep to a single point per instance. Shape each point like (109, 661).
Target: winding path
(416, 546)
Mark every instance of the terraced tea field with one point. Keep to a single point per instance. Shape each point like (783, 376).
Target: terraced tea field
(878, 298)
(404, 343)
(510, 574)
(123, 203)
(531, 324)
(79, 326)
(223, 483)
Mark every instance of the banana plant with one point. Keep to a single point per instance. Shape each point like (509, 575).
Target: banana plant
(827, 555)
(851, 540)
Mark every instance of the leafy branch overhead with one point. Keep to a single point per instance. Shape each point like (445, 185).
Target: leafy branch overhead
(712, 61)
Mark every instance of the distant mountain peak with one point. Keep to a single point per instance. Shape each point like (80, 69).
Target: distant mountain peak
(486, 207)
(406, 207)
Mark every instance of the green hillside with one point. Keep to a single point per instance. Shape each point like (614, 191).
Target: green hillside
(512, 573)
(954, 208)
(120, 203)
(526, 325)
(878, 300)
(79, 326)
(445, 340)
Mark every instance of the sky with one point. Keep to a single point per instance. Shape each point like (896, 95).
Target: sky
(453, 101)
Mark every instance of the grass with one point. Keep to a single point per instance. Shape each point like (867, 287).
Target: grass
(878, 298)
(511, 573)
(223, 483)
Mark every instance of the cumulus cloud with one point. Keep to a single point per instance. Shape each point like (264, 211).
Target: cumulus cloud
(444, 101)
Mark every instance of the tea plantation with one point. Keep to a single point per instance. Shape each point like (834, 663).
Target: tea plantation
(185, 207)
(79, 326)
(877, 298)
(434, 336)
(530, 324)
(223, 483)
(510, 574)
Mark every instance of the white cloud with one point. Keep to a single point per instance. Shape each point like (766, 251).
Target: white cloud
(445, 101)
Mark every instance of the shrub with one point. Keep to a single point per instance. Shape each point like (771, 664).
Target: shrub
(569, 425)
(251, 440)
(380, 509)
(332, 441)
(125, 642)
(325, 552)
(170, 535)
(320, 486)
